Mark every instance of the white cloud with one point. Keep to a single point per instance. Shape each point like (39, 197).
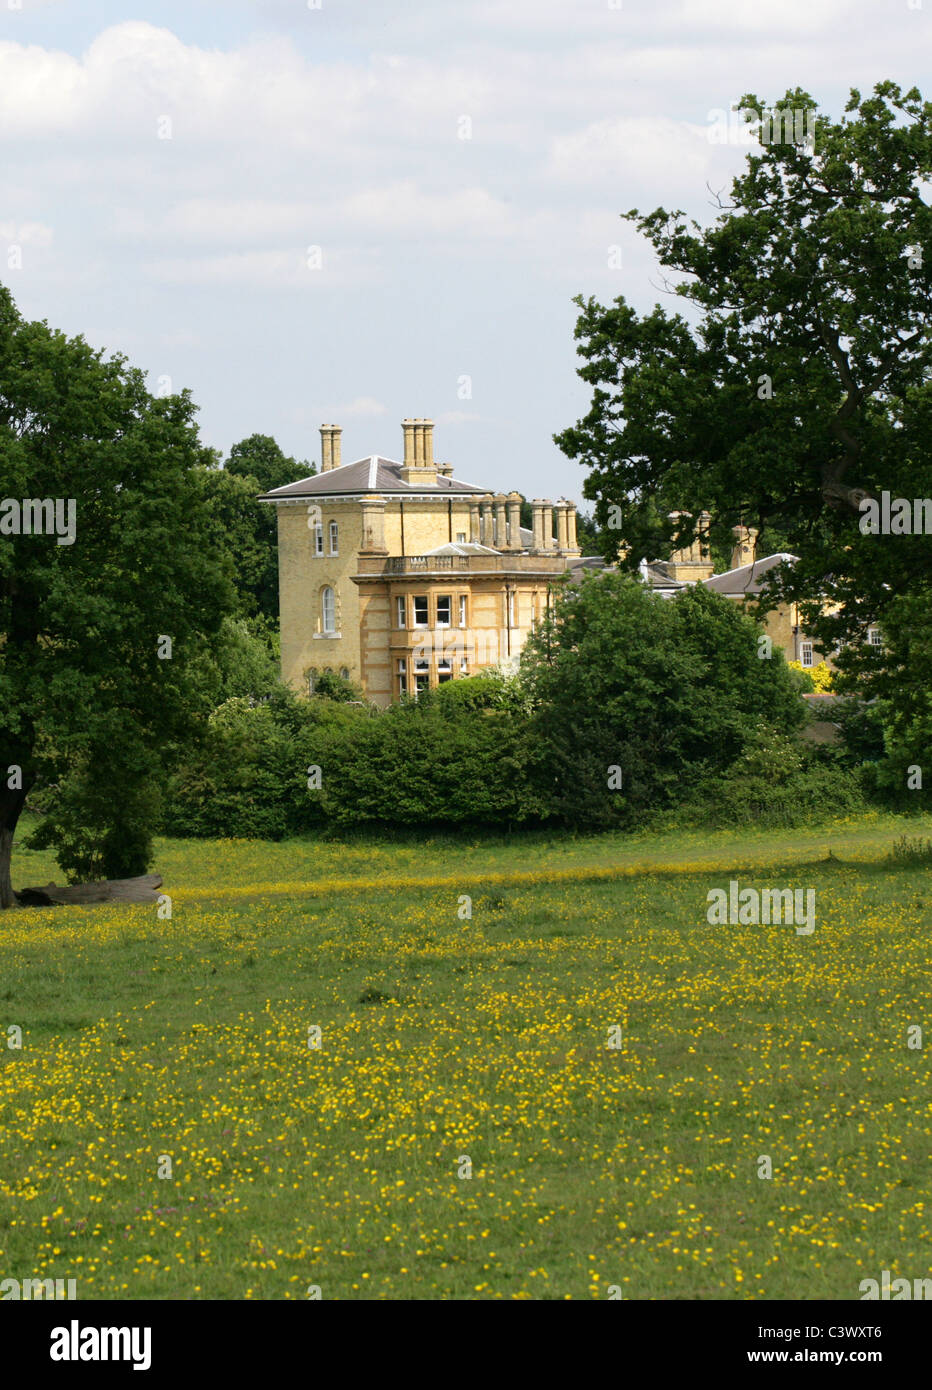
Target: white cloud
(637, 150)
(270, 270)
(443, 254)
(26, 233)
(363, 407)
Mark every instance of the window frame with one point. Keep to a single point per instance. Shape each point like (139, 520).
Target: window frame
(328, 589)
(425, 600)
(333, 530)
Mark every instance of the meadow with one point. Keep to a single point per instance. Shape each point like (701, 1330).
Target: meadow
(366, 1091)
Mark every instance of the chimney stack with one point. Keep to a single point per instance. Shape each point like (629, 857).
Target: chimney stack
(745, 550)
(419, 467)
(329, 447)
(408, 427)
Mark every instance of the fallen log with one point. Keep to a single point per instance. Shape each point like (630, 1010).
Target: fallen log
(112, 890)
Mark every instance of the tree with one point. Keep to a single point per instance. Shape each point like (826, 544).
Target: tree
(239, 526)
(637, 697)
(261, 458)
(588, 536)
(255, 465)
(103, 628)
(802, 389)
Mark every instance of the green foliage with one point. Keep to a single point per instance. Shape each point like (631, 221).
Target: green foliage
(244, 661)
(913, 850)
(86, 703)
(428, 764)
(804, 384)
(436, 761)
(243, 525)
(487, 690)
(248, 777)
(628, 685)
(261, 458)
(330, 685)
(672, 692)
(776, 782)
(101, 817)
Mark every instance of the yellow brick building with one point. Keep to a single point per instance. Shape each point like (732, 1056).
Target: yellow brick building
(400, 577)
(747, 578)
(744, 580)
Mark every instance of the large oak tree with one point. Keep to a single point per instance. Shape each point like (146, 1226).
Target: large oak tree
(796, 384)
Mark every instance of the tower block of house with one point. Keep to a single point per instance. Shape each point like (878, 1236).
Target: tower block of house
(400, 576)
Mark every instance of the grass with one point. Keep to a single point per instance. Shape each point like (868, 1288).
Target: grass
(451, 1045)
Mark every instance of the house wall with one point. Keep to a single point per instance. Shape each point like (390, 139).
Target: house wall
(487, 639)
(368, 644)
(302, 576)
(779, 624)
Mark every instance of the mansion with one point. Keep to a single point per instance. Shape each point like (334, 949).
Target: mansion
(400, 576)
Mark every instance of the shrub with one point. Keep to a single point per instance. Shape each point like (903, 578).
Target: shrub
(653, 693)
(819, 676)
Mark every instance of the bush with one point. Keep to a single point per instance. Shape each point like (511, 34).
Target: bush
(636, 696)
(777, 782)
(818, 678)
(431, 763)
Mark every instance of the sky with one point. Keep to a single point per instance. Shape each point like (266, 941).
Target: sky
(355, 211)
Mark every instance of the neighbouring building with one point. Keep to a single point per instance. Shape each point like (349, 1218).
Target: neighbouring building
(745, 579)
(400, 576)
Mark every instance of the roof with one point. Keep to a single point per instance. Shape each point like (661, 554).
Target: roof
(586, 562)
(462, 548)
(373, 474)
(657, 575)
(747, 579)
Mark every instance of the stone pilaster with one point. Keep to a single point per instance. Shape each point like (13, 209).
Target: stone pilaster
(372, 510)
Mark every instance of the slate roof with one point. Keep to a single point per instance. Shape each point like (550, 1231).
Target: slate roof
(657, 575)
(746, 579)
(373, 474)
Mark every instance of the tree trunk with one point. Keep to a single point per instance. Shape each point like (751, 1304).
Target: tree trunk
(11, 804)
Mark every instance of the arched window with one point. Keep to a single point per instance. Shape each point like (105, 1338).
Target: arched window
(328, 611)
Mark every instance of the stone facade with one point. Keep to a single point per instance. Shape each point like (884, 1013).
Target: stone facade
(402, 577)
